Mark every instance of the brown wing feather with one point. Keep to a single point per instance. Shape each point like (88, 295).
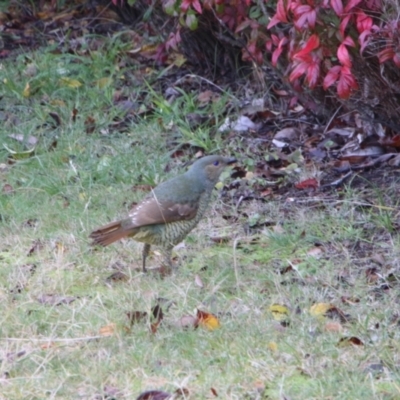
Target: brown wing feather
(152, 212)
(148, 212)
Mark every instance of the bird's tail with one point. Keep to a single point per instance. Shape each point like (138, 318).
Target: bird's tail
(109, 233)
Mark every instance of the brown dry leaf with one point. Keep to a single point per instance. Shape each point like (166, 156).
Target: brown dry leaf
(154, 326)
(333, 327)
(288, 134)
(55, 299)
(393, 141)
(207, 320)
(188, 321)
(136, 316)
(214, 392)
(315, 252)
(350, 341)
(117, 277)
(198, 281)
(112, 392)
(342, 166)
(56, 118)
(220, 239)
(278, 229)
(74, 114)
(310, 183)
(372, 275)
(350, 300)
(279, 312)
(8, 189)
(379, 258)
(90, 125)
(48, 345)
(207, 96)
(353, 159)
(108, 330)
(281, 92)
(157, 312)
(154, 395)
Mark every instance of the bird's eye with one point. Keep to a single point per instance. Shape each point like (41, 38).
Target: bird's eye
(216, 163)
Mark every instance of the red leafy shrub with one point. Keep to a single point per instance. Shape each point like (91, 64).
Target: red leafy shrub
(316, 41)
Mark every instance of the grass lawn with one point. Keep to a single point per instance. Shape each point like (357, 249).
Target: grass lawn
(308, 305)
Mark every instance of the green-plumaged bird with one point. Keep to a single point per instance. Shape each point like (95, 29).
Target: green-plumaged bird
(170, 211)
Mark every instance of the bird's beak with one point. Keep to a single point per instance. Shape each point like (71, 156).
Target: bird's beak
(231, 161)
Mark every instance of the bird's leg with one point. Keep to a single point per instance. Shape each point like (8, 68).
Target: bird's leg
(167, 255)
(145, 253)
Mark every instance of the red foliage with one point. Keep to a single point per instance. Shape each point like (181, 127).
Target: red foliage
(319, 38)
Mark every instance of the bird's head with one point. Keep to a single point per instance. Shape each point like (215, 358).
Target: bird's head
(209, 168)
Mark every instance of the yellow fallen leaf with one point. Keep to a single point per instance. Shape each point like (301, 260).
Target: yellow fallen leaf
(320, 309)
(178, 59)
(103, 82)
(72, 83)
(27, 90)
(82, 196)
(207, 320)
(279, 312)
(57, 102)
(273, 346)
(20, 155)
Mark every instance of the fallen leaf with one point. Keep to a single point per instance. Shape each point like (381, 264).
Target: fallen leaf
(112, 392)
(315, 252)
(27, 90)
(36, 246)
(154, 395)
(20, 155)
(71, 83)
(198, 281)
(272, 346)
(56, 118)
(136, 316)
(310, 183)
(188, 321)
(103, 82)
(287, 134)
(48, 345)
(55, 300)
(348, 341)
(207, 320)
(117, 277)
(320, 309)
(333, 327)
(8, 189)
(108, 330)
(279, 312)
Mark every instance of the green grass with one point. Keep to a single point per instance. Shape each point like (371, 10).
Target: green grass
(76, 181)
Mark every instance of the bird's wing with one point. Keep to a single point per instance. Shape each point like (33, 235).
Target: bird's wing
(151, 211)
